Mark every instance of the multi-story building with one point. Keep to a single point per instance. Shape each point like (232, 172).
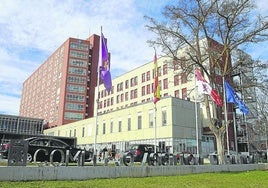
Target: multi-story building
(245, 84)
(130, 91)
(61, 90)
(136, 88)
(171, 124)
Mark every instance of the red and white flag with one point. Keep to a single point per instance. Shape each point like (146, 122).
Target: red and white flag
(204, 87)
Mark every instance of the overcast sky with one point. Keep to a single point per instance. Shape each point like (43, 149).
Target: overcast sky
(30, 30)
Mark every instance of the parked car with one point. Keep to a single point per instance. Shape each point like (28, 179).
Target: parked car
(138, 150)
(44, 146)
(49, 145)
(4, 150)
(136, 153)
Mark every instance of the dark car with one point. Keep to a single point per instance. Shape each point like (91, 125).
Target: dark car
(44, 148)
(4, 150)
(135, 153)
(138, 150)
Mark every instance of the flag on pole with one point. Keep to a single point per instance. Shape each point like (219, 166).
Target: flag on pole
(156, 82)
(204, 87)
(104, 66)
(232, 97)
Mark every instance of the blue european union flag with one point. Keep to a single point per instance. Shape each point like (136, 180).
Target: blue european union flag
(232, 97)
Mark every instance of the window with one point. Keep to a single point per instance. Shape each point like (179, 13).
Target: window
(176, 80)
(126, 84)
(165, 82)
(148, 76)
(112, 101)
(151, 118)
(159, 71)
(143, 91)
(103, 128)
(83, 131)
(119, 125)
(133, 94)
(184, 93)
(165, 69)
(122, 97)
(183, 78)
(177, 93)
(129, 123)
(164, 116)
(117, 98)
(120, 86)
(133, 81)
(143, 77)
(148, 87)
(126, 96)
(75, 97)
(111, 126)
(139, 121)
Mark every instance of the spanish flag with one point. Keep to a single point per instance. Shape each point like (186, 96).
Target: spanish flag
(156, 82)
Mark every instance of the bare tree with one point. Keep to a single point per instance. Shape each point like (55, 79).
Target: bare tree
(230, 22)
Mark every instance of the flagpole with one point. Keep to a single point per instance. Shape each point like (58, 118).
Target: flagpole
(225, 115)
(235, 133)
(155, 143)
(97, 100)
(245, 118)
(196, 117)
(155, 99)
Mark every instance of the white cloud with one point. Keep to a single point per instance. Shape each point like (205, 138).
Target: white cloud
(9, 105)
(30, 29)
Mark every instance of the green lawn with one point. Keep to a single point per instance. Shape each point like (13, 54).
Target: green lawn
(256, 179)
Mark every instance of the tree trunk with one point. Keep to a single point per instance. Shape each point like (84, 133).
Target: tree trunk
(220, 146)
(218, 132)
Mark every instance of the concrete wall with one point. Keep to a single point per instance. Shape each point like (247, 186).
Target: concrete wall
(82, 173)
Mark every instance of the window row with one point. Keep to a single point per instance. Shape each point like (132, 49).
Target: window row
(82, 55)
(148, 89)
(74, 106)
(75, 97)
(73, 116)
(78, 71)
(183, 77)
(129, 125)
(76, 80)
(79, 46)
(76, 88)
(78, 63)
(184, 94)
